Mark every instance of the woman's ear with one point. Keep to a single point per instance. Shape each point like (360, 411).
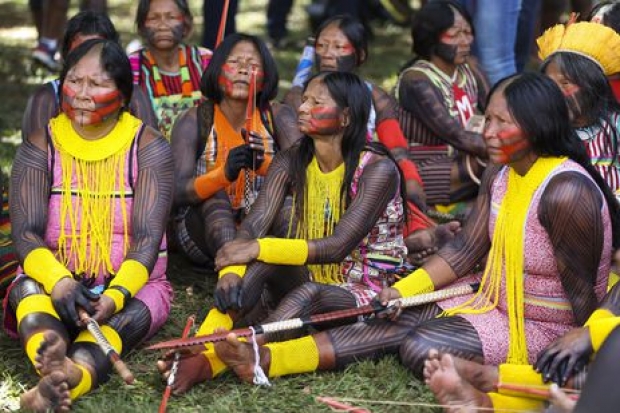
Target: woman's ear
(345, 118)
(361, 58)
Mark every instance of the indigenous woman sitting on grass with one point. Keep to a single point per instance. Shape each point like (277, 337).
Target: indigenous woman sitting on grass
(90, 195)
(220, 164)
(167, 69)
(580, 69)
(544, 218)
(44, 103)
(563, 362)
(342, 45)
(344, 233)
(441, 93)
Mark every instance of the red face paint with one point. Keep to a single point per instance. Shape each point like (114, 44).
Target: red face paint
(512, 143)
(100, 108)
(323, 121)
(226, 79)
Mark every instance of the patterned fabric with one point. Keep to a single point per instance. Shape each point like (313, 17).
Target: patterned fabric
(464, 86)
(222, 139)
(157, 293)
(219, 140)
(171, 93)
(8, 259)
(368, 268)
(547, 310)
(601, 151)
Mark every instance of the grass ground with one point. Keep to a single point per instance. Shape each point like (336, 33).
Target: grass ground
(383, 380)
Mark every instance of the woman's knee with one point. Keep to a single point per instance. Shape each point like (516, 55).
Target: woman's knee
(414, 351)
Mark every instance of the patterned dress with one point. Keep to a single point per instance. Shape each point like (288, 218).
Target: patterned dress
(157, 293)
(366, 269)
(547, 310)
(171, 93)
(601, 151)
(429, 150)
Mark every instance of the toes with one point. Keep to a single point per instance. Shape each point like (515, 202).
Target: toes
(163, 366)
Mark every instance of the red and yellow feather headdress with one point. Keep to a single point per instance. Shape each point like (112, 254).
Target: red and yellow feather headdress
(599, 43)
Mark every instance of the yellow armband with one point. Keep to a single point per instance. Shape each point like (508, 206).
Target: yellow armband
(282, 251)
(131, 277)
(600, 330)
(41, 265)
(599, 314)
(235, 269)
(418, 282)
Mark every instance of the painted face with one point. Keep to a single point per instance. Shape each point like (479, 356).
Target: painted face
(165, 25)
(89, 95)
(455, 43)
(506, 142)
(571, 91)
(319, 115)
(334, 52)
(234, 79)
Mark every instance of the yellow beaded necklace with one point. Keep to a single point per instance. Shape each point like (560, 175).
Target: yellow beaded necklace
(93, 177)
(506, 256)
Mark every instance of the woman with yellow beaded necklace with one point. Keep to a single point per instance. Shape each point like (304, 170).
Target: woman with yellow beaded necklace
(344, 233)
(90, 197)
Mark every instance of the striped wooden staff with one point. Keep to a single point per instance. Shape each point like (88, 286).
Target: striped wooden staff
(295, 323)
(105, 346)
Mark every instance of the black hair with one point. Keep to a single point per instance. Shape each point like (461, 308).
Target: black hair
(538, 106)
(87, 23)
(597, 97)
(430, 22)
(145, 5)
(354, 31)
(114, 62)
(348, 91)
(209, 84)
(611, 17)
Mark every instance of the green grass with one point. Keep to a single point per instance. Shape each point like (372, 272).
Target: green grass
(382, 380)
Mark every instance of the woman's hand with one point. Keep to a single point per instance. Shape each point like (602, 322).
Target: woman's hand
(256, 145)
(227, 294)
(67, 295)
(104, 309)
(383, 299)
(565, 356)
(237, 252)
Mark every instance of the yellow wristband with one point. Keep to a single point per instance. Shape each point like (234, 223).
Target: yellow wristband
(282, 251)
(117, 297)
(418, 282)
(132, 276)
(600, 330)
(599, 314)
(235, 269)
(41, 265)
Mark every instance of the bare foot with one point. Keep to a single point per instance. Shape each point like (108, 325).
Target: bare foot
(452, 390)
(240, 356)
(52, 392)
(52, 356)
(482, 377)
(424, 243)
(191, 370)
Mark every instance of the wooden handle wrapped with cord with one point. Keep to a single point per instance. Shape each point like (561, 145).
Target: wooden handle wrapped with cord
(105, 346)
